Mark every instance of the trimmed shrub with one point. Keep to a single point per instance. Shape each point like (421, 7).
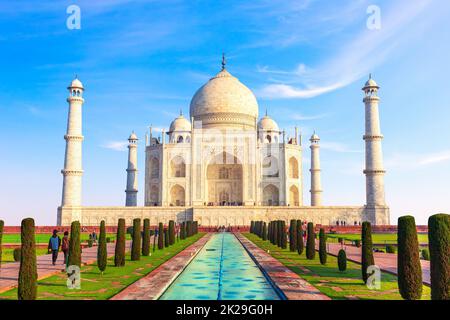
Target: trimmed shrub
(166, 237)
(439, 244)
(322, 246)
(342, 260)
(408, 261)
(366, 250)
(183, 230)
(119, 252)
(426, 254)
(275, 233)
(27, 289)
(264, 232)
(278, 234)
(252, 227)
(102, 254)
(146, 238)
(17, 254)
(310, 242)
(390, 249)
(2, 224)
(136, 241)
(74, 245)
(283, 235)
(172, 232)
(300, 244)
(154, 240)
(90, 243)
(108, 240)
(293, 235)
(357, 243)
(340, 240)
(188, 229)
(160, 236)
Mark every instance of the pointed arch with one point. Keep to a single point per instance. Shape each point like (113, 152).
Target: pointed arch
(293, 168)
(154, 168)
(293, 196)
(177, 167)
(270, 195)
(177, 196)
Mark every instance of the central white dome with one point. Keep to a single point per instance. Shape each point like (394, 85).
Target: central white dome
(224, 101)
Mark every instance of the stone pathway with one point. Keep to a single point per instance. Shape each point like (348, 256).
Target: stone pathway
(9, 272)
(152, 286)
(291, 284)
(386, 261)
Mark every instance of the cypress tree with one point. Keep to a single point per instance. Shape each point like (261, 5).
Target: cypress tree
(300, 244)
(160, 236)
(342, 260)
(102, 254)
(366, 249)
(154, 239)
(136, 242)
(283, 235)
(322, 246)
(408, 260)
(311, 242)
(188, 229)
(439, 244)
(119, 252)
(74, 245)
(2, 224)
(27, 289)
(183, 231)
(146, 238)
(171, 232)
(166, 237)
(252, 227)
(293, 235)
(275, 233)
(264, 234)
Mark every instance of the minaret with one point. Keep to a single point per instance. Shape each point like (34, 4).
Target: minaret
(132, 182)
(374, 156)
(73, 172)
(316, 184)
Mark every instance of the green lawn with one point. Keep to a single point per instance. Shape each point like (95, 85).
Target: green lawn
(43, 238)
(7, 255)
(379, 238)
(329, 280)
(95, 286)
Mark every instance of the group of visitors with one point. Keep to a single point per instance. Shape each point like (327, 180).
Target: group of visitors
(55, 243)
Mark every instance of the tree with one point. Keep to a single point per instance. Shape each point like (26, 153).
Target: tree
(300, 244)
(160, 236)
(283, 235)
(102, 254)
(367, 259)
(311, 242)
(171, 232)
(146, 238)
(74, 245)
(293, 235)
(2, 224)
(264, 232)
(322, 246)
(27, 289)
(439, 244)
(136, 241)
(408, 260)
(275, 233)
(252, 227)
(119, 252)
(183, 230)
(342, 260)
(166, 237)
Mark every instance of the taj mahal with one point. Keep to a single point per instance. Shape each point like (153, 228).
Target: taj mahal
(224, 165)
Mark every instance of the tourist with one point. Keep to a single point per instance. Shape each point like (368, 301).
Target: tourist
(65, 246)
(94, 237)
(53, 245)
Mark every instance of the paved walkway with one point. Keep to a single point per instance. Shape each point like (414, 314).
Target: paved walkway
(293, 287)
(152, 286)
(386, 261)
(9, 272)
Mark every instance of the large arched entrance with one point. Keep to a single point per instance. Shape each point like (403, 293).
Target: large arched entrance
(224, 181)
(270, 195)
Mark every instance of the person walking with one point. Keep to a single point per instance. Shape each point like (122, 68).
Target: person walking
(53, 245)
(65, 246)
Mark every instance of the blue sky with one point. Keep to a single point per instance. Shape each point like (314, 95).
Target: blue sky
(306, 61)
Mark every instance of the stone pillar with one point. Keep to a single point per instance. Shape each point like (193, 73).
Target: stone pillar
(72, 172)
(132, 181)
(316, 184)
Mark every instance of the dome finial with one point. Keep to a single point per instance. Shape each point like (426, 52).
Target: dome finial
(224, 61)
(181, 112)
(266, 112)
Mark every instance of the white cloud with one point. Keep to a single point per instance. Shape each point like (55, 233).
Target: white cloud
(116, 145)
(406, 161)
(301, 117)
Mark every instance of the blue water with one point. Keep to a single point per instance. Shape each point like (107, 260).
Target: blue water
(222, 270)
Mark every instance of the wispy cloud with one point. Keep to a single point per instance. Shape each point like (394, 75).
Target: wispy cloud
(400, 161)
(116, 145)
(338, 147)
(301, 117)
(355, 59)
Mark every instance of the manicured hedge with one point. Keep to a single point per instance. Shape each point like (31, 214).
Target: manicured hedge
(366, 250)
(342, 260)
(136, 241)
(293, 235)
(160, 236)
(74, 245)
(310, 242)
(27, 289)
(439, 243)
(119, 253)
(322, 246)
(102, 254)
(408, 260)
(172, 232)
(300, 244)
(146, 238)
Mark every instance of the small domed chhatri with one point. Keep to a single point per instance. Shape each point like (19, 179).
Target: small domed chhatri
(224, 155)
(133, 136)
